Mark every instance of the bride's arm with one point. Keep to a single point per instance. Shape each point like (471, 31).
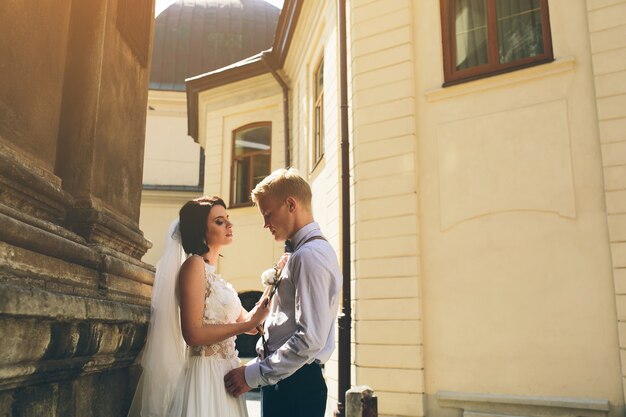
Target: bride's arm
(192, 298)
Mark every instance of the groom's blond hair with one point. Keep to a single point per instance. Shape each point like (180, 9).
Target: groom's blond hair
(281, 184)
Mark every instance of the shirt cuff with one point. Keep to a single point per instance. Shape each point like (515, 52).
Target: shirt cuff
(252, 374)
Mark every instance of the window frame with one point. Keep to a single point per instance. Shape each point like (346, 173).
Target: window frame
(232, 202)
(493, 67)
(317, 144)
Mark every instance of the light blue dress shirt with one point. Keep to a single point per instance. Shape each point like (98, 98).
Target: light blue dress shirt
(301, 324)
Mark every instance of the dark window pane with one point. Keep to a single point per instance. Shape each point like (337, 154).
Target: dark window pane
(242, 180)
(519, 29)
(319, 134)
(319, 80)
(260, 169)
(318, 122)
(470, 18)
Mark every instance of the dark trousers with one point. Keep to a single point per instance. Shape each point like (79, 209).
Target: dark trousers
(303, 394)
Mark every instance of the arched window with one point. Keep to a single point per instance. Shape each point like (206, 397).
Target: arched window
(251, 160)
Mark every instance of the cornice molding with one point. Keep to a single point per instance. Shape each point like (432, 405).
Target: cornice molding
(285, 29)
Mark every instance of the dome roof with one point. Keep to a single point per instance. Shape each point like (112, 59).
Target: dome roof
(192, 37)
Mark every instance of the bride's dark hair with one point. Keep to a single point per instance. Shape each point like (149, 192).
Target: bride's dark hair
(193, 218)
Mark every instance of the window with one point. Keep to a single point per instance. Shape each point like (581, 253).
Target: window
(318, 122)
(487, 37)
(251, 160)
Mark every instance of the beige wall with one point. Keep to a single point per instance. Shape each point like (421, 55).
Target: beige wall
(316, 38)
(482, 258)
(508, 262)
(222, 110)
(226, 108)
(171, 156)
(517, 280)
(387, 315)
(607, 27)
(158, 209)
(171, 160)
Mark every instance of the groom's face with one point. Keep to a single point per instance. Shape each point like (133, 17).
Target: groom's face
(276, 217)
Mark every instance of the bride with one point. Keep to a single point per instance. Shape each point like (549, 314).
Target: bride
(195, 317)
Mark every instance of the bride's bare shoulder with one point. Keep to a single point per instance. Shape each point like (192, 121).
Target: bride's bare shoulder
(192, 269)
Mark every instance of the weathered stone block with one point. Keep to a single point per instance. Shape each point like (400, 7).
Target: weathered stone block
(74, 294)
(361, 402)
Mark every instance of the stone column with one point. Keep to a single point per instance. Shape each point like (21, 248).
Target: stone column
(74, 294)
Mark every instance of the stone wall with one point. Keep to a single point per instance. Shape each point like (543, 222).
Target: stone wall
(74, 294)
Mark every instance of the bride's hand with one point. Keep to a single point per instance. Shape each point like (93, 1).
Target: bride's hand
(265, 295)
(259, 312)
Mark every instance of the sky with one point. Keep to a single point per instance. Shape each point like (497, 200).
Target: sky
(163, 4)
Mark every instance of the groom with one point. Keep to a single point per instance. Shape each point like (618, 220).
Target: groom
(301, 323)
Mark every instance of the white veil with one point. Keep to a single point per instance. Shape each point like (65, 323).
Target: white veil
(164, 353)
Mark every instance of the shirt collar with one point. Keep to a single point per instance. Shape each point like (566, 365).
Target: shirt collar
(303, 233)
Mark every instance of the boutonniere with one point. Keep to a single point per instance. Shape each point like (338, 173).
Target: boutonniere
(270, 276)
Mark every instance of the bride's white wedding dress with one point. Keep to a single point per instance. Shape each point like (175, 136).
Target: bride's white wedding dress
(201, 391)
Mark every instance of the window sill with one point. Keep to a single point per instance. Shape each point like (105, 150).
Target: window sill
(555, 67)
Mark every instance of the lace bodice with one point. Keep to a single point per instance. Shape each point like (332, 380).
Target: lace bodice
(221, 306)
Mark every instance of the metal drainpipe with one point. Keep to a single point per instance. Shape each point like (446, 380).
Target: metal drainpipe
(266, 60)
(345, 318)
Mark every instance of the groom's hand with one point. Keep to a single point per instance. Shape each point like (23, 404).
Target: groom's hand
(235, 382)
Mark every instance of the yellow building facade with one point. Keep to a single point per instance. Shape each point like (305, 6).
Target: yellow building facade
(190, 37)
(171, 167)
(488, 213)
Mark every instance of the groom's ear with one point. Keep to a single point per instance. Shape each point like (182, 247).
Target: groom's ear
(291, 204)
